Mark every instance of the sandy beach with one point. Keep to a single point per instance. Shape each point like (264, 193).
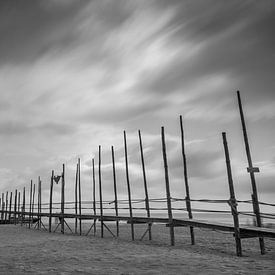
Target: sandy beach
(30, 251)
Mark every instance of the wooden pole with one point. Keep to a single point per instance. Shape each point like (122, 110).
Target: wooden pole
(33, 196)
(30, 210)
(62, 198)
(7, 202)
(3, 207)
(18, 207)
(232, 201)
(79, 195)
(76, 200)
(15, 206)
(39, 203)
(168, 196)
(115, 190)
(24, 206)
(94, 197)
(100, 191)
(51, 202)
(10, 206)
(128, 188)
(147, 206)
(187, 198)
(251, 170)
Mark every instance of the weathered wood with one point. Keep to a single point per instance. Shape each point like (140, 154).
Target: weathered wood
(62, 197)
(232, 201)
(18, 207)
(24, 206)
(187, 198)
(147, 205)
(51, 202)
(251, 171)
(100, 192)
(128, 187)
(15, 206)
(33, 196)
(94, 196)
(7, 202)
(10, 206)
(79, 196)
(39, 203)
(115, 190)
(168, 196)
(76, 199)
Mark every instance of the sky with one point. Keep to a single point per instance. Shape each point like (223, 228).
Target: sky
(76, 74)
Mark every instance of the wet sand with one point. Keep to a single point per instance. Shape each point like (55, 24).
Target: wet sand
(30, 251)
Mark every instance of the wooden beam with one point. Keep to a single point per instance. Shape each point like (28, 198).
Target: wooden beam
(100, 192)
(168, 196)
(128, 187)
(187, 198)
(51, 202)
(233, 202)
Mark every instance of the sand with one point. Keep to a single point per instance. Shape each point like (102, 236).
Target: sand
(30, 251)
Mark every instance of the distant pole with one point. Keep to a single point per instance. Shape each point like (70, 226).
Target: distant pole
(63, 198)
(115, 190)
(33, 196)
(128, 187)
(100, 190)
(147, 206)
(51, 203)
(10, 206)
(94, 197)
(233, 202)
(7, 202)
(76, 200)
(168, 196)
(251, 170)
(15, 206)
(30, 210)
(18, 207)
(187, 198)
(24, 206)
(79, 195)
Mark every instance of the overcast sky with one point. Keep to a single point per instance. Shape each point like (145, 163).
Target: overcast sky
(75, 74)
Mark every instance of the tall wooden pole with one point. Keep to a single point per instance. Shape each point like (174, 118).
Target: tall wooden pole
(76, 199)
(15, 206)
(24, 206)
(51, 203)
(30, 210)
(168, 196)
(63, 198)
(18, 207)
(7, 202)
(147, 206)
(79, 201)
(10, 206)
(187, 198)
(39, 203)
(115, 190)
(251, 170)
(94, 197)
(100, 190)
(33, 196)
(232, 201)
(3, 206)
(128, 188)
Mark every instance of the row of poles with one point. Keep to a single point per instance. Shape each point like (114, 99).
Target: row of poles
(78, 207)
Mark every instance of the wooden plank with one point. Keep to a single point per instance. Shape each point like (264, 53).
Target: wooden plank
(168, 196)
